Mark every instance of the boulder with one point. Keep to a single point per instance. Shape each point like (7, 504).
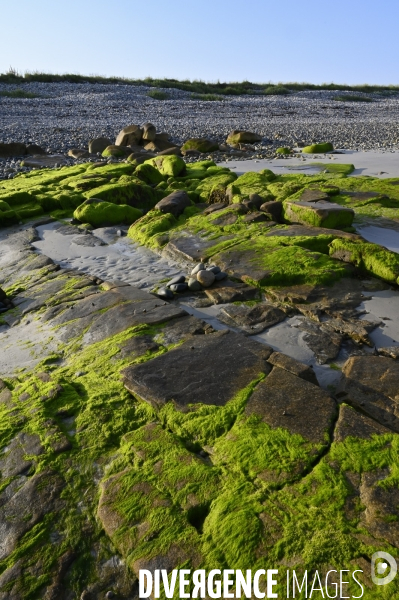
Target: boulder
(99, 144)
(12, 149)
(172, 165)
(148, 174)
(34, 149)
(130, 135)
(175, 203)
(149, 132)
(41, 162)
(78, 153)
(274, 208)
(116, 150)
(173, 150)
(242, 137)
(202, 145)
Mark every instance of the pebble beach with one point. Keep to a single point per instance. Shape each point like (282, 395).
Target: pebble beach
(67, 115)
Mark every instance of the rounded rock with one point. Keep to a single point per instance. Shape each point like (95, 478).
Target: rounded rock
(199, 267)
(175, 280)
(214, 269)
(194, 285)
(220, 276)
(179, 288)
(206, 278)
(165, 294)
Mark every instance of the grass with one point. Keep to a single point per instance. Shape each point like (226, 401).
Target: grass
(276, 90)
(18, 94)
(195, 86)
(158, 95)
(353, 98)
(206, 97)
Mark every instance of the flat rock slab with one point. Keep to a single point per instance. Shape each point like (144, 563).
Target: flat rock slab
(320, 214)
(322, 339)
(371, 384)
(121, 317)
(37, 497)
(189, 247)
(181, 329)
(252, 319)
(287, 401)
(223, 292)
(41, 162)
(351, 423)
(297, 368)
(13, 462)
(303, 230)
(211, 369)
(310, 195)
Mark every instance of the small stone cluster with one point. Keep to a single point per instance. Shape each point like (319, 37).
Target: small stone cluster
(201, 276)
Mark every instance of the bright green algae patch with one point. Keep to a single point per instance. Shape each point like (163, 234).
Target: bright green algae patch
(99, 214)
(371, 258)
(264, 498)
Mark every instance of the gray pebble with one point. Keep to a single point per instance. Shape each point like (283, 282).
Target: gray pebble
(206, 278)
(220, 276)
(176, 280)
(165, 293)
(199, 267)
(194, 285)
(179, 288)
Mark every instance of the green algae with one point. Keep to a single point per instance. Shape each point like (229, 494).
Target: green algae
(335, 168)
(138, 195)
(368, 257)
(317, 217)
(283, 150)
(213, 189)
(318, 148)
(202, 145)
(253, 183)
(100, 214)
(149, 174)
(171, 166)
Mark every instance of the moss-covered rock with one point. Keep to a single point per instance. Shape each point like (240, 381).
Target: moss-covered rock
(283, 150)
(318, 148)
(149, 174)
(213, 189)
(117, 151)
(133, 193)
(100, 213)
(318, 214)
(169, 165)
(148, 228)
(370, 258)
(202, 145)
(242, 137)
(253, 183)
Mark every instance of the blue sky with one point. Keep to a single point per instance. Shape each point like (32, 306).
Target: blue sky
(320, 41)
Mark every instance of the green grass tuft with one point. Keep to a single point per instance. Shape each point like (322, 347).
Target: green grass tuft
(158, 95)
(18, 93)
(353, 98)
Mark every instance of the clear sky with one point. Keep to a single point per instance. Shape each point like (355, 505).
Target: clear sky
(344, 41)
